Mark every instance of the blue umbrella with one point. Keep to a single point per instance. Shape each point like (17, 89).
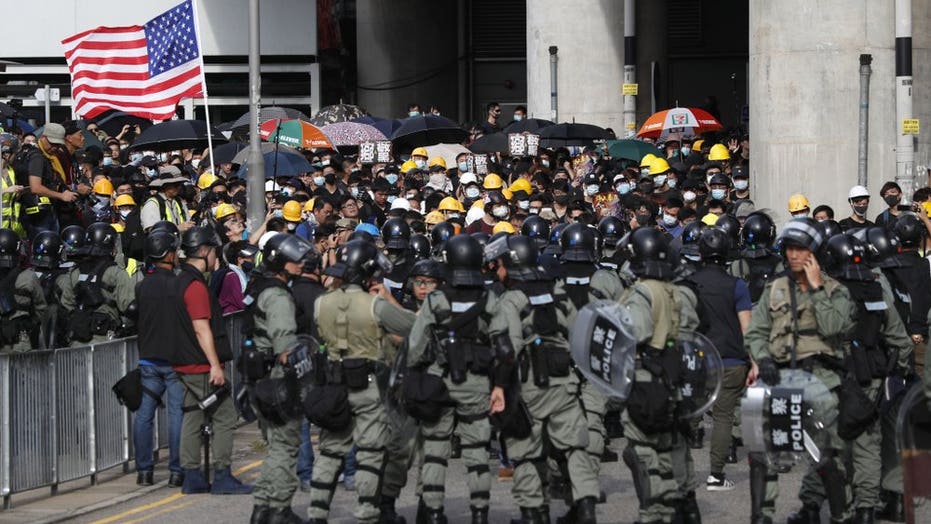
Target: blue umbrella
(387, 126)
(20, 124)
(280, 163)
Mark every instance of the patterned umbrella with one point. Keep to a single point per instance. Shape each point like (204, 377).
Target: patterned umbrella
(337, 113)
(241, 125)
(680, 122)
(296, 133)
(351, 133)
(387, 126)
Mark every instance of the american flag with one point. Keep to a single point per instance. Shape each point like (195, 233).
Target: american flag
(142, 70)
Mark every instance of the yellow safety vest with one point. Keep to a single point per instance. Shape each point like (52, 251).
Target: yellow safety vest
(11, 206)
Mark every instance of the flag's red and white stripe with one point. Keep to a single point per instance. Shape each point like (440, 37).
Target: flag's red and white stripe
(110, 70)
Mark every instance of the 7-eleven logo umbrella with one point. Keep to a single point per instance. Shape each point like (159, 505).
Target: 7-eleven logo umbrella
(678, 122)
(294, 133)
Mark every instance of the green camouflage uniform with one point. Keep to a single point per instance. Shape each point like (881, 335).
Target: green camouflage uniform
(20, 327)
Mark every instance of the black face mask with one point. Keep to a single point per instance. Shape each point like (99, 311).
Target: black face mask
(891, 200)
(644, 219)
(561, 199)
(248, 266)
(330, 179)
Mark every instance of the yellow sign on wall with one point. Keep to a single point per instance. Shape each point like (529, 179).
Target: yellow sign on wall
(910, 126)
(630, 89)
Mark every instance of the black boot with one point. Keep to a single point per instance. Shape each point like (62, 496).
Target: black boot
(456, 447)
(864, 516)
(259, 514)
(893, 508)
(559, 488)
(690, 511)
(805, 515)
(585, 511)
(529, 516)
(479, 515)
(284, 516)
(757, 490)
(432, 516)
(732, 452)
(697, 440)
(388, 513)
(608, 456)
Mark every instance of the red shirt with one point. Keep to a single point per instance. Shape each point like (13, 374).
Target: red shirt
(197, 302)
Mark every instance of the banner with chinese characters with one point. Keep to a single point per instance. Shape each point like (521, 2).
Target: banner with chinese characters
(786, 432)
(378, 152)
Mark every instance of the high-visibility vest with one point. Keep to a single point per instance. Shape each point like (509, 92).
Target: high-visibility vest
(11, 206)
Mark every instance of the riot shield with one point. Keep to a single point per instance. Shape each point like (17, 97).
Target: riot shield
(913, 436)
(788, 421)
(702, 373)
(604, 348)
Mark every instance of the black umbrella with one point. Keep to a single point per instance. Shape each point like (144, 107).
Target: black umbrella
(113, 121)
(176, 134)
(567, 135)
(225, 153)
(493, 143)
(8, 111)
(267, 113)
(529, 125)
(428, 130)
(337, 113)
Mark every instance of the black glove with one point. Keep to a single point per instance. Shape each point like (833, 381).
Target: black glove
(769, 373)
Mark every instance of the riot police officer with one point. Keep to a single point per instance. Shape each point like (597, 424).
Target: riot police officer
(352, 324)
(457, 316)
(274, 335)
(757, 263)
(22, 303)
(914, 277)
(531, 330)
(47, 251)
(798, 322)
(396, 235)
(98, 292)
(612, 229)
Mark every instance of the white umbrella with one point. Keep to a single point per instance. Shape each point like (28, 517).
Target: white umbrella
(449, 152)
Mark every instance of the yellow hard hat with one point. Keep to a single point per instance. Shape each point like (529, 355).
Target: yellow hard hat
(507, 194)
(645, 161)
(433, 218)
(478, 203)
(719, 152)
(658, 165)
(696, 145)
(710, 219)
(492, 181)
(451, 204)
(437, 161)
(503, 227)
(103, 187)
(420, 151)
(206, 180)
(291, 211)
(798, 202)
(309, 205)
(521, 184)
(407, 166)
(124, 200)
(224, 210)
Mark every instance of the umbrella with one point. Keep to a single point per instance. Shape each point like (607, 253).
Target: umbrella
(631, 149)
(280, 163)
(296, 133)
(25, 126)
(6, 110)
(682, 121)
(113, 121)
(351, 133)
(267, 113)
(529, 125)
(428, 130)
(242, 156)
(337, 113)
(387, 126)
(175, 134)
(449, 152)
(493, 143)
(568, 135)
(225, 153)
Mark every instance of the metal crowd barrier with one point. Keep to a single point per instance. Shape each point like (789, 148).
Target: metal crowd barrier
(59, 419)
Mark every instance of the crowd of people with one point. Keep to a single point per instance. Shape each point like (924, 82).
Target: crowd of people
(414, 311)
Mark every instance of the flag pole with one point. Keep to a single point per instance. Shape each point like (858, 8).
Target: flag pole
(203, 83)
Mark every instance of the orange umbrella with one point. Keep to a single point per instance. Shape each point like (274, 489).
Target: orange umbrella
(295, 133)
(679, 122)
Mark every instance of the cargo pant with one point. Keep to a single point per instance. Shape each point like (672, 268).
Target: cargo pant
(404, 446)
(595, 404)
(469, 420)
(278, 480)
(369, 431)
(558, 417)
(222, 418)
(650, 458)
(733, 385)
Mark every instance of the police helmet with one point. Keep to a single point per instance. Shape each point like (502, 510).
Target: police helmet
(283, 248)
(519, 255)
(396, 233)
(74, 240)
(803, 233)
(159, 243)
(10, 244)
(612, 229)
(556, 233)
(463, 257)
(482, 238)
(101, 239)
(357, 261)
(757, 235)
(536, 228)
(910, 230)
(845, 257)
(361, 234)
(166, 226)
(881, 246)
(829, 228)
(194, 238)
(46, 250)
(714, 245)
(648, 253)
(441, 233)
(690, 235)
(428, 268)
(420, 244)
(731, 227)
(577, 243)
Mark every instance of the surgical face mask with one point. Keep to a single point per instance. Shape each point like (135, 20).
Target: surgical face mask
(644, 219)
(329, 179)
(533, 210)
(672, 182)
(319, 180)
(151, 173)
(438, 180)
(518, 117)
(623, 188)
(523, 204)
(135, 157)
(452, 215)
(420, 163)
(591, 189)
(669, 220)
(392, 178)
(718, 194)
(162, 157)
(125, 213)
(659, 180)
(741, 184)
(354, 191)
(644, 171)
(800, 214)
(891, 200)
(277, 213)
(391, 198)
(860, 210)
(285, 192)
(500, 211)
(107, 161)
(685, 151)
(292, 226)
(195, 162)
(472, 192)
(410, 195)
(545, 162)
(412, 114)
(463, 166)
(689, 196)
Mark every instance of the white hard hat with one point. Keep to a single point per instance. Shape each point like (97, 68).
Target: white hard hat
(857, 192)
(401, 203)
(265, 237)
(475, 213)
(270, 186)
(468, 178)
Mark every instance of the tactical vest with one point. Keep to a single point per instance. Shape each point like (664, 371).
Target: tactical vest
(347, 324)
(664, 305)
(866, 355)
(254, 319)
(577, 281)
(757, 272)
(166, 331)
(810, 342)
(187, 275)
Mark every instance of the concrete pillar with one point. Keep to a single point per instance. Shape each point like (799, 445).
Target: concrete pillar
(804, 98)
(401, 41)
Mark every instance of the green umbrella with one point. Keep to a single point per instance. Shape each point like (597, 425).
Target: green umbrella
(631, 149)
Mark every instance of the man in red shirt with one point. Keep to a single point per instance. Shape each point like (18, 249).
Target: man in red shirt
(201, 372)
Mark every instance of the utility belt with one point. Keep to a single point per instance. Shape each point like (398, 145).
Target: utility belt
(463, 357)
(84, 324)
(19, 329)
(664, 365)
(816, 361)
(354, 373)
(547, 361)
(253, 363)
(652, 404)
(867, 363)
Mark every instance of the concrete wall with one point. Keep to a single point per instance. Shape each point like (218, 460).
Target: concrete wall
(804, 98)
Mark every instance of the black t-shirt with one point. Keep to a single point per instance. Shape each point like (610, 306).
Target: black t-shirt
(849, 223)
